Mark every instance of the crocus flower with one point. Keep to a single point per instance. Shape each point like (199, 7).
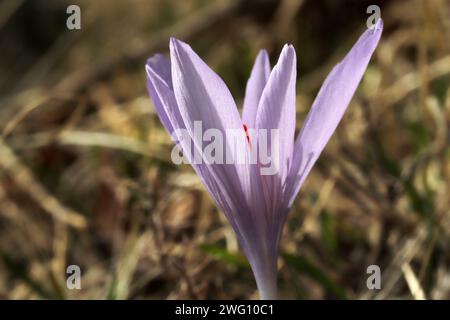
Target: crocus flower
(185, 90)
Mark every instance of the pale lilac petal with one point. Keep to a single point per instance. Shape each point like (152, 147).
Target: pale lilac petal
(159, 84)
(201, 94)
(277, 105)
(159, 81)
(160, 67)
(255, 86)
(329, 107)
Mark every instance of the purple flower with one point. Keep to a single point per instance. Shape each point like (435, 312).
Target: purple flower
(185, 90)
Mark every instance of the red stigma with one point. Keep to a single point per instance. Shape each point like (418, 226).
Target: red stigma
(246, 134)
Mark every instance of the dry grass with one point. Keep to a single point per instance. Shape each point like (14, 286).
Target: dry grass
(86, 176)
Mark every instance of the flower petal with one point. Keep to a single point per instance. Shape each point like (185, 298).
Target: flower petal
(329, 107)
(159, 85)
(201, 94)
(255, 86)
(159, 81)
(277, 105)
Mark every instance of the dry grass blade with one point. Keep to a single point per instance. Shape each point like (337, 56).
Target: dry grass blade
(25, 179)
(413, 282)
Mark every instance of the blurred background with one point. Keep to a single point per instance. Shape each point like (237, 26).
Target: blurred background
(86, 177)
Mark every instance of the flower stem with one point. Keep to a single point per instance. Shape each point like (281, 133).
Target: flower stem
(266, 279)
